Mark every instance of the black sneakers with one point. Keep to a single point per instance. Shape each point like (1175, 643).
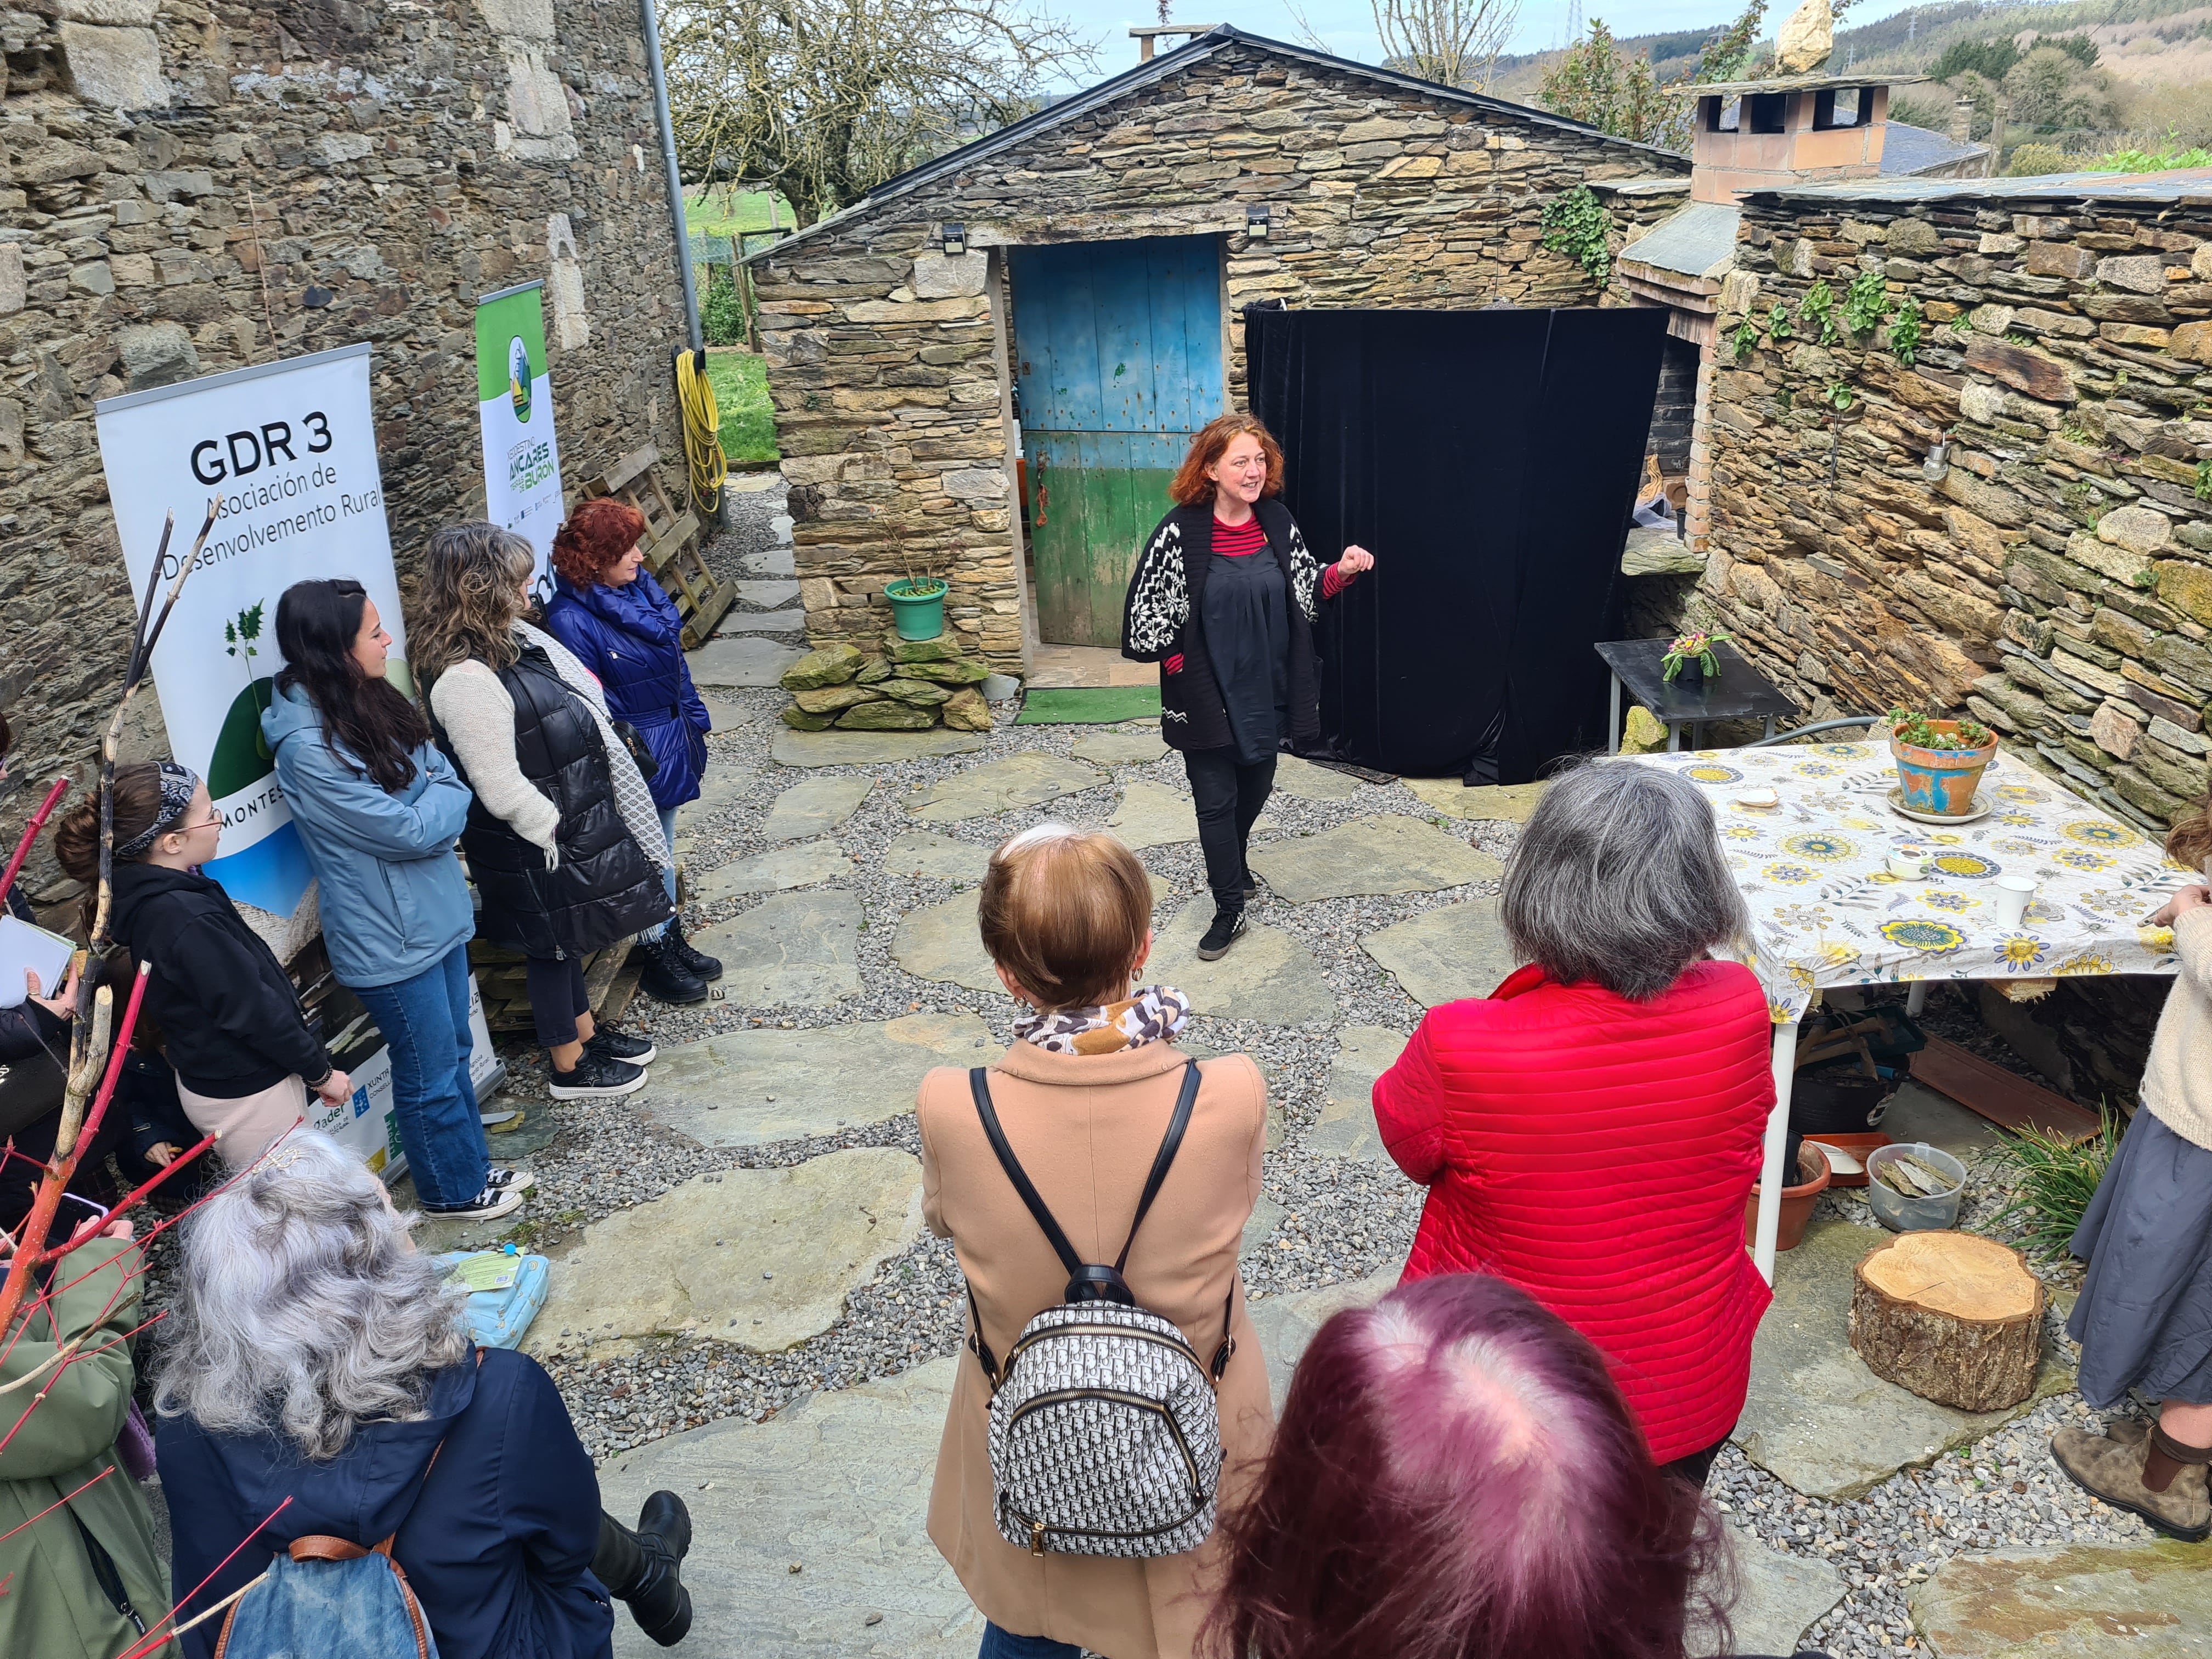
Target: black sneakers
(487, 1205)
(621, 1045)
(667, 978)
(1228, 927)
(597, 1076)
(706, 967)
(503, 1180)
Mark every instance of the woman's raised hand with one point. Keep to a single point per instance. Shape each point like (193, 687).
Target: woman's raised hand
(1355, 559)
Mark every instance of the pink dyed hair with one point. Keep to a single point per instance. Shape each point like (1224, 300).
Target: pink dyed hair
(1457, 1476)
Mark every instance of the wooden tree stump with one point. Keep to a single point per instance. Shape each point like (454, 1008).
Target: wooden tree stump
(1955, 1317)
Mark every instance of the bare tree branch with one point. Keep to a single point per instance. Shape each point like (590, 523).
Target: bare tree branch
(1456, 42)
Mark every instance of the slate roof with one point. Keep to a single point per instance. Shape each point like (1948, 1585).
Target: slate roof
(1908, 149)
(2182, 185)
(1699, 241)
(1171, 63)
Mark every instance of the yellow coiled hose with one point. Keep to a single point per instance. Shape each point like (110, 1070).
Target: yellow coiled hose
(702, 433)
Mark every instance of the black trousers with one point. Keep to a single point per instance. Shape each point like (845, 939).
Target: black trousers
(557, 995)
(1695, 1466)
(1229, 798)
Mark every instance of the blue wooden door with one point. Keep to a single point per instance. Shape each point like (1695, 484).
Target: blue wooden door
(1117, 349)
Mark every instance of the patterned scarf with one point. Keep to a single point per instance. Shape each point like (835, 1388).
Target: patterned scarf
(1156, 1014)
(177, 784)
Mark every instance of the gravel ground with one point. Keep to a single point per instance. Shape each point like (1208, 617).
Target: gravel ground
(1342, 1219)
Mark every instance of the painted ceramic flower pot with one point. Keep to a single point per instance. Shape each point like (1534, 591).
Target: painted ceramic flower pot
(917, 608)
(1941, 780)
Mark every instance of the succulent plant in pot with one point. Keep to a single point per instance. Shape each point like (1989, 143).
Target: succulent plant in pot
(1690, 662)
(1940, 762)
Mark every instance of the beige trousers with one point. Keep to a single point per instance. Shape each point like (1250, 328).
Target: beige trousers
(250, 1125)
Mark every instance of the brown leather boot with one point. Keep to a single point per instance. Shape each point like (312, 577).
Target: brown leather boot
(2110, 1465)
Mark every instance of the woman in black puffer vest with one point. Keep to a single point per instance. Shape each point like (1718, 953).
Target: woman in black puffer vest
(558, 835)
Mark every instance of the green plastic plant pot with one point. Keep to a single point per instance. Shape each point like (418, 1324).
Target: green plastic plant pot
(917, 609)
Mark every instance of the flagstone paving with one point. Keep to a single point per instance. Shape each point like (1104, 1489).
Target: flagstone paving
(926, 853)
(814, 806)
(2082, 1600)
(1268, 975)
(1304, 781)
(719, 789)
(791, 748)
(1385, 854)
(1511, 802)
(1346, 1125)
(1454, 950)
(1120, 747)
(1028, 779)
(803, 864)
(746, 660)
(792, 620)
(1817, 1418)
(791, 949)
(762, 1258)
(751, 1088)
(1151, 814)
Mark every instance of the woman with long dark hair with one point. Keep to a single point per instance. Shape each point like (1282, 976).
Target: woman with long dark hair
(378, 809)
(564, 841)
(1225, 597)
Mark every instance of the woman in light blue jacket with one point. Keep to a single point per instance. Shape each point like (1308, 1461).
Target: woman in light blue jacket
(378, 808)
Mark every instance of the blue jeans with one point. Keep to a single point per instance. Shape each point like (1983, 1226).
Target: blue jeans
(668, 875)
(1005, 1644)
(425, 1021)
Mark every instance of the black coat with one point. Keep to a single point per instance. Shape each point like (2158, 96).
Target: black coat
(1160, 618)
(603, 886)
(227, 1012)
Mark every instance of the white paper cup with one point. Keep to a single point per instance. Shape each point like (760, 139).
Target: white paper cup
(2013, 893)
(1907, 866)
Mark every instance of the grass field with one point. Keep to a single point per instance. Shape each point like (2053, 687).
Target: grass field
(715, 211)
(741, 383)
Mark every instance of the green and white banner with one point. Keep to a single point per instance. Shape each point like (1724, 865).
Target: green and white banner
(521, 457)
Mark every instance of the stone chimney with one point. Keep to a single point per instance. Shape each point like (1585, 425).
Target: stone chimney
(1786, 130)
(1962, 122)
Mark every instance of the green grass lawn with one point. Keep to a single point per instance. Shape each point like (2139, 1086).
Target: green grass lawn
(716, 212)
(741, 383)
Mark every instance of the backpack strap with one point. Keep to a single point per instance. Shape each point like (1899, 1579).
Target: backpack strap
(1170, 1143)
(980, 1087)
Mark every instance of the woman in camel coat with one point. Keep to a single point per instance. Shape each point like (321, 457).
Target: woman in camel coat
(1084, 1095)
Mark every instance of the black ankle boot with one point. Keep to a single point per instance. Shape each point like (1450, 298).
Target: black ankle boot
(666, 978)
(707, 968)
(657, 1599)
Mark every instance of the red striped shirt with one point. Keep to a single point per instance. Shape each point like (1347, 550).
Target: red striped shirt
(1239, 541)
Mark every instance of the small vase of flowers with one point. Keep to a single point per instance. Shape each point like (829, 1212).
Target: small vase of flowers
(1690, 662)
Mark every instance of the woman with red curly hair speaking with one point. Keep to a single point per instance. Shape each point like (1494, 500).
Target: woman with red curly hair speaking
(608, 610)
(1224, 598)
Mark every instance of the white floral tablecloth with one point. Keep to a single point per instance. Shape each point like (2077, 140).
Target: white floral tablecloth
(1826, 912)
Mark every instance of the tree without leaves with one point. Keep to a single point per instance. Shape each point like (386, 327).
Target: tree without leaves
(822, 100)
(1455, 43)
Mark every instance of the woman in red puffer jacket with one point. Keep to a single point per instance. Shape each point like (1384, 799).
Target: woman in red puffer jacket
(1591, 1130)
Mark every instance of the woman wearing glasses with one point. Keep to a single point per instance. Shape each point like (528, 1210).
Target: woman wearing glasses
(227, 1011)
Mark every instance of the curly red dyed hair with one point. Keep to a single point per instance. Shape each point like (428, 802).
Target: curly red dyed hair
(599, 533)
(1193, 488)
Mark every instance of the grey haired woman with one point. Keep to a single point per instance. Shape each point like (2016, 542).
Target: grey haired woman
(1621, 1073)
(318, 1380)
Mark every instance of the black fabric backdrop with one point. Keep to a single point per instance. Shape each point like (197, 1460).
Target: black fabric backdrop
(1489, 459)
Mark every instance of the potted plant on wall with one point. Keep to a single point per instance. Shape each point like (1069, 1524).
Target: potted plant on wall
(1690, 662)
(1939, 762)
(917, 602)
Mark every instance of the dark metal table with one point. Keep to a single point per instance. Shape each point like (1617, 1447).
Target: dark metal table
(1740, 692)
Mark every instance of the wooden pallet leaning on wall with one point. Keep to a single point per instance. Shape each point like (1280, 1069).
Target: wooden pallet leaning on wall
(671, 542)
(500, 982)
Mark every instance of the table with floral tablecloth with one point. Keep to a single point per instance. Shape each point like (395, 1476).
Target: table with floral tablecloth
(1826, 911)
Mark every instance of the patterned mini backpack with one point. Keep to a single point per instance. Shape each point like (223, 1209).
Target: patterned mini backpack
(1105, 1438)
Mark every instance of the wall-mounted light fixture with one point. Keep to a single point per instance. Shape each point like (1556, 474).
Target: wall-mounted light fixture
(1938, 464)
(1255, 221)
(956, 238)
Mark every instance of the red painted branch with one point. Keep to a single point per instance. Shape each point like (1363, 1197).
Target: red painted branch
(30, 834)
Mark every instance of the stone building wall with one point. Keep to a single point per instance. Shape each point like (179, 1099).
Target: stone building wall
(886, 358)
(2056, 582)
(179, 182)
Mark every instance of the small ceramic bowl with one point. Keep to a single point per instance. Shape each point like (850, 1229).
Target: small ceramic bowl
(1759, 799)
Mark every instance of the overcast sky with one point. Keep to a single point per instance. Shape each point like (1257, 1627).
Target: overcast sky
(1347, 28)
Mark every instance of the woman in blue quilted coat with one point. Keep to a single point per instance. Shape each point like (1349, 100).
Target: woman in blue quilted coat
(608, 610)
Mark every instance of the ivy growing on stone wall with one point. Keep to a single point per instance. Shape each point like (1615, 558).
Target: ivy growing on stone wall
(1866, 302)
(1577, 224)
(1747, 339)
(1777, 323)
(1818, 309)
(1904, 330)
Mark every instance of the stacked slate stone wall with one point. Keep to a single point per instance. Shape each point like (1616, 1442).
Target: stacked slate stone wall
(2056, 582)
(887, 358)
(178, 180)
